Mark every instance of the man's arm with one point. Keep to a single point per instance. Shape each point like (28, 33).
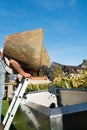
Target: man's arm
(18, 68)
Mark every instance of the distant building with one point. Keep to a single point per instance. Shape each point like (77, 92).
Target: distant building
(72, 69)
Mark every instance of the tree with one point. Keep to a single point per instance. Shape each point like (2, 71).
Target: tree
(58, 71)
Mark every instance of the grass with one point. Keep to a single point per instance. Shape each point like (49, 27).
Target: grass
(20, 121)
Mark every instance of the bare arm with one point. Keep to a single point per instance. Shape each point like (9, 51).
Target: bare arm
(18, 68)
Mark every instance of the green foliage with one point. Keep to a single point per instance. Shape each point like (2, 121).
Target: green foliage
(41, 72)
(63, 83)
(5, 106)
(66, 82)
(20, 122)
(6, 78)
(34, 87)
(57, 71)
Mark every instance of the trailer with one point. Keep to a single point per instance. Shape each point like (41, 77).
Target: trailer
(56, 109)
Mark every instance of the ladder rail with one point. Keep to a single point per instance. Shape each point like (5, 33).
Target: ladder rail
(15, 104)
(12, 103)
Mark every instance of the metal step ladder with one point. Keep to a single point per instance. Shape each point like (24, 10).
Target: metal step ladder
(15, 103)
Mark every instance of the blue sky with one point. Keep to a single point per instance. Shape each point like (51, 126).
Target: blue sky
(64, 23)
